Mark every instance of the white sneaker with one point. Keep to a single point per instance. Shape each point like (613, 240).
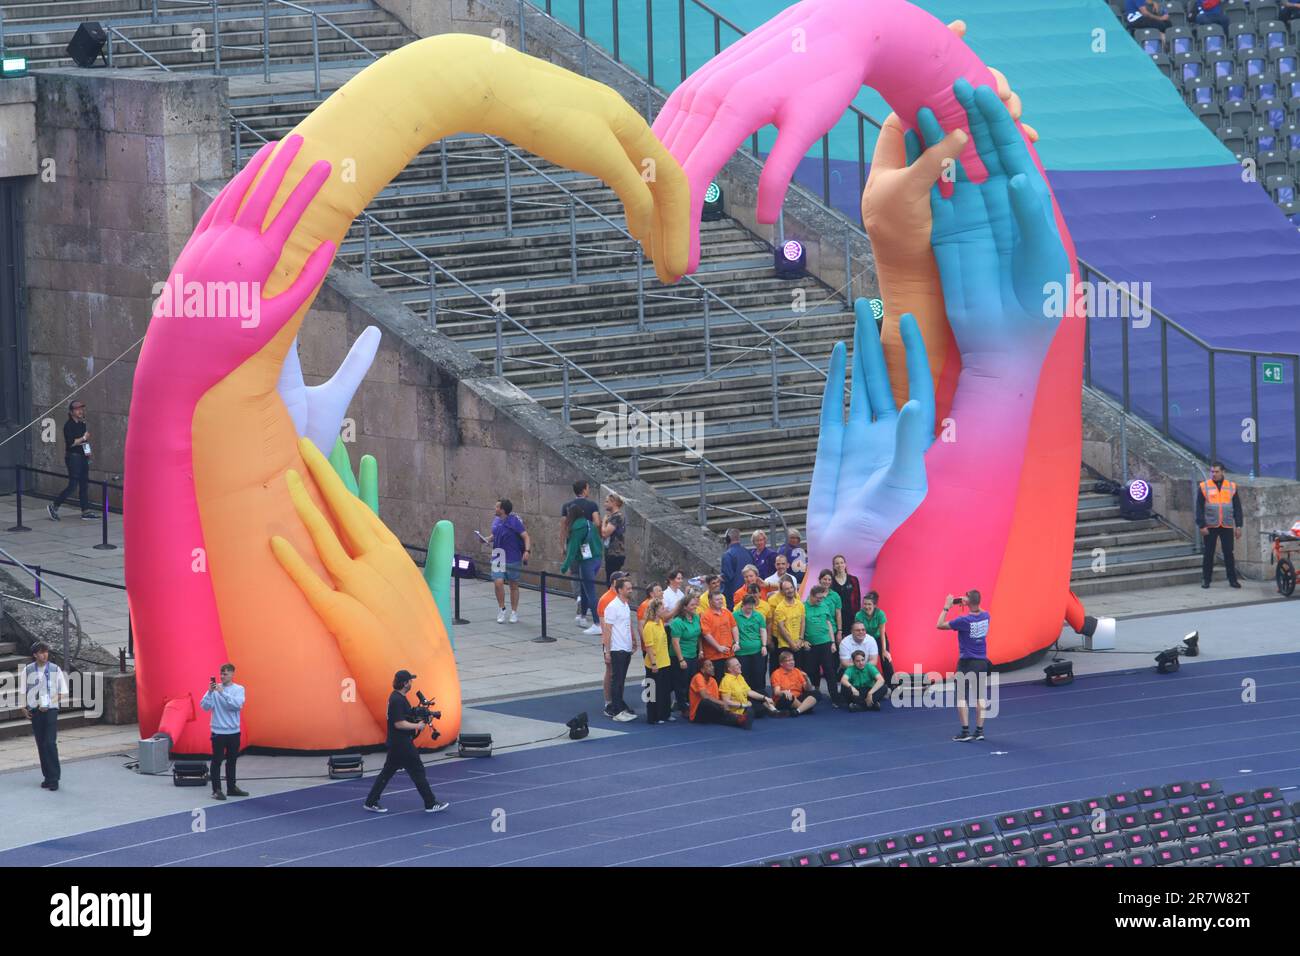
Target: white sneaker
(625, 716)
(593, 630)
(514, 617)
(582, 621)
(501, 616)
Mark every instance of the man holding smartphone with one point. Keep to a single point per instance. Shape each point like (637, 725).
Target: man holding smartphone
(511, 550)
(972, 659)
(224, 701)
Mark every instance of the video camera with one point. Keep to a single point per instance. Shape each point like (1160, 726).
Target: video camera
(426, 714)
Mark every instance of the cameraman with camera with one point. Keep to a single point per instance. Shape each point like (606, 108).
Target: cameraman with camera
(404, 724)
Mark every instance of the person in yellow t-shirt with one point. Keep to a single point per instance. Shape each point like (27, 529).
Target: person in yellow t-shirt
(736, 693)
(786, 622)
(658, 665)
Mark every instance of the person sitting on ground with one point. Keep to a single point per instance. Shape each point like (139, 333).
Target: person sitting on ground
(658, 665)
(706, 701)
(791, 690)
(656, 593)
(717, 633)
(795, 554)
(821, 660)
(787, 620)
(737, 694)
(751, 634)
(750, 577)
(782, 571)
(684, 647)
(862, 685)
(764, 557)
(874, 620)
(826, 580)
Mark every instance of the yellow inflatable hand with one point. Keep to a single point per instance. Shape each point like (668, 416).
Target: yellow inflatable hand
(379, 609)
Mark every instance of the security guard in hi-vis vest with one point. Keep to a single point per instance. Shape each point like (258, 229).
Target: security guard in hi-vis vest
(1218, 515)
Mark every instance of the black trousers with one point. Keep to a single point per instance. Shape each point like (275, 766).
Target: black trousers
(402, 758)
(823, 662)
(45, 728)
(711, 714)
(224, 747)
(1213, 535)
(613, 562)
(619, 661)
(659, 706)
(753, 670)
(1147, 23)
(864, 696)
(682, 678)
(78, 477)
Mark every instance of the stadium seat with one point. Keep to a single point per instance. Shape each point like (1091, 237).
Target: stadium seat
(1163, 64)
(1263, 139)
(1282, 189)
(1271, 163)
(1201, 91)
(1187, 66)
(1234, 138)
(1240, 114)
(1263, 87)
(1273, 32)
(1212, 37)
(1237, 11)
(1266, 10)
(1177, 14)
(1289, 84)
(1272, 112)
(1219, 63)
(1284, 59)
(1152, 41)
(1242, 35)
(1253, 62)
(1180, 40)
(1230, 89)
(1292, 134)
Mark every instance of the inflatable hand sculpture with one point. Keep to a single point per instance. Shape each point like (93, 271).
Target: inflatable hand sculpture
(216, 469)
(870, 472)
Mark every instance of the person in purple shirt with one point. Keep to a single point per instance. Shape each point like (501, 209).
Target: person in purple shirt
(972, 659)
(510, 552)
(764, 558)
(794, 552)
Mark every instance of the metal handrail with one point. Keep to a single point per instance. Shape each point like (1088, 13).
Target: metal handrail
(111, 31)
(69, 655)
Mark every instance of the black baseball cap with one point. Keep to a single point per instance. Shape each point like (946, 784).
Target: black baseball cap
(401, 677)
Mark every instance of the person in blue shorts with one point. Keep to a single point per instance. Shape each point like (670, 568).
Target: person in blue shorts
(510, 552)
(972, 659)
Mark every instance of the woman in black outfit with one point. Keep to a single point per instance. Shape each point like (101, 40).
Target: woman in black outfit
(849, 590)
(612, 529)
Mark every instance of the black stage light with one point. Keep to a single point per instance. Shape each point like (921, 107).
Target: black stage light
(791, 260)
(475, 745)
(87, 44)
(1167, 661)
(578, 727)
(190, 773)
(463, 567)
(1059, 673)
(712, 204)
(1135, 500)
(1191, 644)
(346, 766)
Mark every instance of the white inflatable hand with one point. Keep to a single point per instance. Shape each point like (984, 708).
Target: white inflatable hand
(317, 411)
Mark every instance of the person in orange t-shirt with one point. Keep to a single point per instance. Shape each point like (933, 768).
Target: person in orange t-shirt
(706, 701)
(718, 633)
(791, 689)
(750, 574)
(656, 593)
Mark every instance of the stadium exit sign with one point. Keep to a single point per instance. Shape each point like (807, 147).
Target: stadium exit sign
(1273, 372)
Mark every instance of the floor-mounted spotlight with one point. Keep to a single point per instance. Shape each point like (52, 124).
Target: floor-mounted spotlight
(712, 204)
(791, 260)
(1135, 500)
(1167, 661)
(578, 727)
(1192, 644)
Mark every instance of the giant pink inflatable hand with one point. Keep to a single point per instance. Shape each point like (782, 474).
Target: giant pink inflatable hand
(800, 71)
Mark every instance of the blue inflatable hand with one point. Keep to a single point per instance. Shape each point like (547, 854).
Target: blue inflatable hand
(870, 471)
(1001, 261)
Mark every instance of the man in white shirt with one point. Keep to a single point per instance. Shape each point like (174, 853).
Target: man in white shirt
(45, 689)
(673, 592)
(859, 640)
(617, 640)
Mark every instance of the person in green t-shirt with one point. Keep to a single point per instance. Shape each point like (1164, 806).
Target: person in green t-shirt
(822, 658)
(825, 579)
(873, 619)
(684, 646)
(862, 685)
(751, 627)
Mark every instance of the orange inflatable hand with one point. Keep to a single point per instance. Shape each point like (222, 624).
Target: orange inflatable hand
(379, 608)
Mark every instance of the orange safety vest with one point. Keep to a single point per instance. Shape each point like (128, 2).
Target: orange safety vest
(1218, 504)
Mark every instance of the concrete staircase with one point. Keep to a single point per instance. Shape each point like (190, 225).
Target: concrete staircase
(594, 322)
(12, 722)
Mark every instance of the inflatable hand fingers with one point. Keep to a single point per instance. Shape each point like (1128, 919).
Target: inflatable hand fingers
(318, 410)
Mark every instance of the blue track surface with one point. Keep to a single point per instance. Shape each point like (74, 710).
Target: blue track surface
(681, 794)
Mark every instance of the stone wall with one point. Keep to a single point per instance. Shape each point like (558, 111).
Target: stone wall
(102, 222)
(1173, 472)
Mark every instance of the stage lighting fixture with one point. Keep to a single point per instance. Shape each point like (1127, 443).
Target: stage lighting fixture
(712, 204)
(1059, 673)
(791, 260)
(1192, 644)
(346, 766)
(1135, 500)
(87, 44)
(12, 66)
(463, 567)
(190, 773)
(1167, 661)
(578, 727)
(474, 745)
(877, 311)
